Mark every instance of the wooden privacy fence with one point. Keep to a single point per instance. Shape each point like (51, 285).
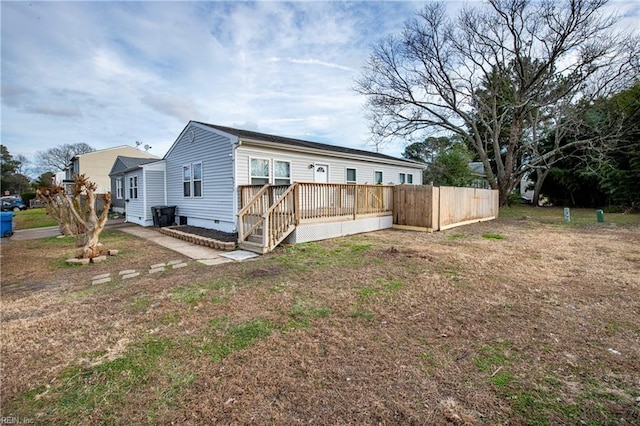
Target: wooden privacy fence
(438, 208)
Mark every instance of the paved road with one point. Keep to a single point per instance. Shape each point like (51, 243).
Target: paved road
(202, 254)
(53, 231)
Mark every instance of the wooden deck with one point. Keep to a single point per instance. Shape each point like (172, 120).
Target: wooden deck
(270, 213)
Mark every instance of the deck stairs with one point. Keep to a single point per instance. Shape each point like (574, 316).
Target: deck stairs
(267, 219)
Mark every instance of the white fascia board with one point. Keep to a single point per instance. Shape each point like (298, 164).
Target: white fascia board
(328, 153)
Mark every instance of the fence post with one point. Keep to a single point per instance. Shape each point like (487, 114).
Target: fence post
(435, 209)
(296, 203)
(355, 201)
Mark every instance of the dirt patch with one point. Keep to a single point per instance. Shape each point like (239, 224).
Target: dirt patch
(393, 327)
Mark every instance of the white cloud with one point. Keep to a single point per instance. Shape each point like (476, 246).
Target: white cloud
(111, 73)
(174, 106)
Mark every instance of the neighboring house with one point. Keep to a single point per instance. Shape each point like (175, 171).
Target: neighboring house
(119, 196)
(479, 175)
(96, 165)
(207, 163)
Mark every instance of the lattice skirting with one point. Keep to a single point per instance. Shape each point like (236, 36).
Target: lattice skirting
(322, 231)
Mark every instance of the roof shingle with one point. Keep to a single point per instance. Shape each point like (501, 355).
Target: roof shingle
(247, 134)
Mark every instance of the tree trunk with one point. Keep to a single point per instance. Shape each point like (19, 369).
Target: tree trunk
(94, 224)
(541, 176)
(503, 193)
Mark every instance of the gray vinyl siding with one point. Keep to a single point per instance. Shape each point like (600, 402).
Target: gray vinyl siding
(116, 204)
(154, 190)
(216, 204)
(302, 172)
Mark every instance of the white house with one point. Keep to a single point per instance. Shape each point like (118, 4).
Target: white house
(204, 168)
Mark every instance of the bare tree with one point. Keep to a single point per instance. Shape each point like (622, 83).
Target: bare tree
(76, 213)
(500, 76)
(58, 158)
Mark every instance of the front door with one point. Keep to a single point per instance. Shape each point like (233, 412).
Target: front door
(322, 173)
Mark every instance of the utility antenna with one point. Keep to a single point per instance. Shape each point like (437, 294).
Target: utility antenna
(138, 143)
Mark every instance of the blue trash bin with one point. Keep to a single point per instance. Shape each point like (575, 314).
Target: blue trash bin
(6, 224)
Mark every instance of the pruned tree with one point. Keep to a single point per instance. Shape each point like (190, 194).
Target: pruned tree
(76, 212)
(57, 159)
(500, 76)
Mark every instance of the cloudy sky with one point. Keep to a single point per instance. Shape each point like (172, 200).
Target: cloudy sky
(113, 73)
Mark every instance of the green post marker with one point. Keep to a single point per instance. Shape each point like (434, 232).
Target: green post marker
(600, 216)
(567, 215)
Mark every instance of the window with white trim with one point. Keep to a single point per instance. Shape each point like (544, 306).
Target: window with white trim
(403, 178)
(351, 175)
(197, 179)
(133, 187)
(186, 181)
(409, 178)
(259, 171)
(119, 192)
(281, 172)
(377, 177)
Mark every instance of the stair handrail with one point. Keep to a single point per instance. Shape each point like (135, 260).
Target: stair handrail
(270, 241)
(242, 213)
(253, 200)
(280, 198)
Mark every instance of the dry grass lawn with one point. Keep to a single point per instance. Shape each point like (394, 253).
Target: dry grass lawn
(511, 321)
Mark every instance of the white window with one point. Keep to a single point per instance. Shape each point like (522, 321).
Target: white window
(377, 177)
(133, 187)
(351, 176)
(197, 179)
(403, 178)
(186, 181)
(409, 178)
(259, 171)
(192, 180)
(119, 188)
(281, 172)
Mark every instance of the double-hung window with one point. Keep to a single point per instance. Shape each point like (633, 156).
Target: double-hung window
(351, 175)
(186, 180)
(192, 180)
(403, 178)
(259, 171)
(119, 188)
(133, 187)
(409, 178)
(281, 172)
(197, 179)
(264, 171)
(377, 177)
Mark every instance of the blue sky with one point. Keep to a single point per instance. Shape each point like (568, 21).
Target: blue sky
(113, 73)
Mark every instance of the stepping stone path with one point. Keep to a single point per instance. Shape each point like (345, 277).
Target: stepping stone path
(156, 268)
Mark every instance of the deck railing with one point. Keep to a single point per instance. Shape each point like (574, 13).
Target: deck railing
(280, 219)
(250, 216)
(269, 213)
(335, 200)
